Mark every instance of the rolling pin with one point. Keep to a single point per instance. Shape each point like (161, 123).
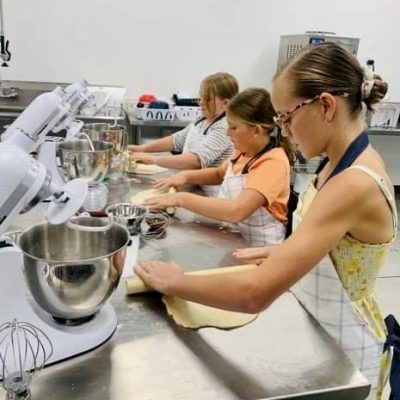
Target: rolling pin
(136, 285)
(171, 210)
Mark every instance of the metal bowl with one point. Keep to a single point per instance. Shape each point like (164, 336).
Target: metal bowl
(115, 134)
(127, 214)
(71, 273)
(79, 161)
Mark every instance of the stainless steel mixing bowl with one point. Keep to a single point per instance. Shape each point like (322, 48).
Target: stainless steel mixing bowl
(127, 214)
(79, 161)
(115, 134)
(71, 273)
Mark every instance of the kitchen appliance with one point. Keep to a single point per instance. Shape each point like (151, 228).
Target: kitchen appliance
(290, 44)
(69, 339)
(24, 183)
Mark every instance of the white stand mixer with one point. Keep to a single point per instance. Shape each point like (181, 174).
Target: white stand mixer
(68, 341)
(23, 183)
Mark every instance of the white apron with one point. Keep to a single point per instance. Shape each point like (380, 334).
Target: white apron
(322, 294)
(261, 228)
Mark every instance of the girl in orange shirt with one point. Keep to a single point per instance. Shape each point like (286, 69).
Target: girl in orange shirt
(254, 182)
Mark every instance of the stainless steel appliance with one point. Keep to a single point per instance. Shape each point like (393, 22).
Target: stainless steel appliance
(288, 47)
(291, 44)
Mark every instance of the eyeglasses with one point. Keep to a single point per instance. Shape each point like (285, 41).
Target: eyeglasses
(283, 120)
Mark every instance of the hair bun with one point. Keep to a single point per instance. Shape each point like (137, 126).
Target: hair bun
(367, 84)
(377, 92)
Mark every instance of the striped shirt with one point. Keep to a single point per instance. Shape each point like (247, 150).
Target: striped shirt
(212, 148)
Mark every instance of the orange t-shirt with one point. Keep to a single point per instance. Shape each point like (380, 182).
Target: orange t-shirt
(269, 175)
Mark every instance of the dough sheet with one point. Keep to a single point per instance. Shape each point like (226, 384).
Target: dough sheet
(193, 315)
(144, 169)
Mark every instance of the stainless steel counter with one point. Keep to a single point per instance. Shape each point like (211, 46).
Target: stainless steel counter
(283, 354)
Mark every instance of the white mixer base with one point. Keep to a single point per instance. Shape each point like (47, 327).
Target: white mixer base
(16, 303)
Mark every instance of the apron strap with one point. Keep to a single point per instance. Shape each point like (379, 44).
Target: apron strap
(245, 170)
(393, 340)
(271, 145)
(201, 119)
(384, 189)
(357, 146)
(212, 123)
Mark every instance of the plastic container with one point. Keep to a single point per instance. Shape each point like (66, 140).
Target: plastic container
(154, 114)
(187, 113)
(145, 112)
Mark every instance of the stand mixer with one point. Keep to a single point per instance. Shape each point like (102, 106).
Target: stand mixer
(24, 183)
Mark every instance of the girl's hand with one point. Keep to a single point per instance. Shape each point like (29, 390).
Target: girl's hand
(172, 181)
(132, 148)
(254, 254)
(143, 158)
(162, 202)
(161, 276)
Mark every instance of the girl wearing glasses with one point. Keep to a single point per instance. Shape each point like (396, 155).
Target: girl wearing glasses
(254, 182)
(202, 143)
(344, 224)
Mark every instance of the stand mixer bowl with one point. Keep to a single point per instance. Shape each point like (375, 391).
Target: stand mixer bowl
(78, 160)
(115, 134)
(72, 273)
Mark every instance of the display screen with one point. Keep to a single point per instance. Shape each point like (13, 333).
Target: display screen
(317, 40)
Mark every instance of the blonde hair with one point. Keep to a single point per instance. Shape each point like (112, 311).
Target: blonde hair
(331, 68)
(253, 107)
(222, 85)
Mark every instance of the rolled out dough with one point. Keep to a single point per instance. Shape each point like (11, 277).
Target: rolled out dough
(139, 198)
(144, 169)
(194, 315)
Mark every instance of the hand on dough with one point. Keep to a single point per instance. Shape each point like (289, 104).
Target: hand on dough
(255, 254)
(162, 202)
(172, 181)
(133, 148)
(143, 158)
(159, 275)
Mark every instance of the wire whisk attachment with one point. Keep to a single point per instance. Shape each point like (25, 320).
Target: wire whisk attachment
(154, 225)
(24, 350)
